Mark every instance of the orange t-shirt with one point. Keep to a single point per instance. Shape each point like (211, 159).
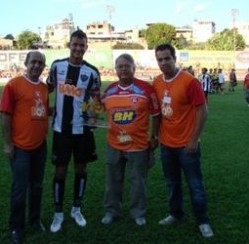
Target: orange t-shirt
(178, 99)
(27, 102)
(246, 82)
(128, 111)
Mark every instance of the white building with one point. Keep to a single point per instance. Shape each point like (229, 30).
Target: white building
(58, 35)
(185, 31)
(243, 29)
(203, 30)
(103, 31)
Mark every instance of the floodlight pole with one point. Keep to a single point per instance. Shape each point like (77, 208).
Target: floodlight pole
(110, 10)
(234, 13)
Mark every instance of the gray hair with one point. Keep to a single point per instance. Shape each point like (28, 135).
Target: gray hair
(127, 57)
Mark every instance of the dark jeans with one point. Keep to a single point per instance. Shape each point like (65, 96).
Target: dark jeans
(247, 96)
(174, 160)
(27, 168)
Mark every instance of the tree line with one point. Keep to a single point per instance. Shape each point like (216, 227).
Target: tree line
(226, 40)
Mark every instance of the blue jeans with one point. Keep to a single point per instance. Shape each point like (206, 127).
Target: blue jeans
(247, 96)
(27, 168)
(174, 160)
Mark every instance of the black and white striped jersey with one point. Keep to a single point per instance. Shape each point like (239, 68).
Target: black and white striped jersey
(74, 85)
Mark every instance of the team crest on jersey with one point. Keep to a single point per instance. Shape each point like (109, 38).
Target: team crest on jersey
(124, 117)
(134, 100)
(83, 78)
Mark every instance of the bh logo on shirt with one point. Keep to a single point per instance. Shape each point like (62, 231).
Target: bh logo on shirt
(124, 117)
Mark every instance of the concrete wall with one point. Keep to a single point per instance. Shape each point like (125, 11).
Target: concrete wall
(103, 57)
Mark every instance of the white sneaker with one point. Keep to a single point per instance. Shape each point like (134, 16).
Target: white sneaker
(78, 217)
(206, 230)
(168, 220)
(57, 221)
(140, 221)
(107, 219)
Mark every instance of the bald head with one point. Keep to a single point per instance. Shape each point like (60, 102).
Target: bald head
(35, 55)
(35, 63)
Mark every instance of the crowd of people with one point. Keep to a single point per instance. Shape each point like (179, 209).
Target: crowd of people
(174, 100)
(215, 81)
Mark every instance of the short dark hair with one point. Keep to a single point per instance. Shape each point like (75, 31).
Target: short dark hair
(78, 33)
(165, 46)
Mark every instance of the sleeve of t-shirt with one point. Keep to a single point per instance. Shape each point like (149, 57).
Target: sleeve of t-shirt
(8, 101)
(154, 105)
(96, 81)
(195, 93)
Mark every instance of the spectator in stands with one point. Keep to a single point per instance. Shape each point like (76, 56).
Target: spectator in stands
(191, 70)
(221, 81)
(214, 80)
(232, 80)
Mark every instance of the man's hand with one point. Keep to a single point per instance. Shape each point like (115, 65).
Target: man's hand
(8, 149)
(153, 142)
(191, 147)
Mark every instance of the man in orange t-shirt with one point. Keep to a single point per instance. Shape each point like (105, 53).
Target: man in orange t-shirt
(24, 108)
(183, 115)
(128, 103)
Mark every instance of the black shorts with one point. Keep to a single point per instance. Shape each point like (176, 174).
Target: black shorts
(81, 146)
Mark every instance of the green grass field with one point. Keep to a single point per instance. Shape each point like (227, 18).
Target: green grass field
(225, 164)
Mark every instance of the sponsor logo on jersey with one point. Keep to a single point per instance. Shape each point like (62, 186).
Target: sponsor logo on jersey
(123, 92)
(124, 117)
(70, 90)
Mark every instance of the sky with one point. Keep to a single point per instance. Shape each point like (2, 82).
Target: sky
(20, 15)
